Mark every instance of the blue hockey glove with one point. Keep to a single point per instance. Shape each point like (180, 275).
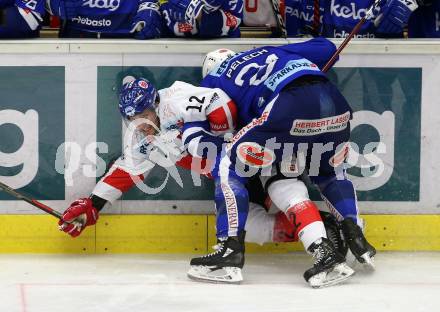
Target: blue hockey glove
(188, 10)
(147, 23)
(395, 15)
(64, 9)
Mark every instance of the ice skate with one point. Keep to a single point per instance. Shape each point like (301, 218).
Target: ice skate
(334, 233)
(329, 267)
(357, 243)
(223, 265)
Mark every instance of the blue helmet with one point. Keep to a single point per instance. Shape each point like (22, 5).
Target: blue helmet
(136, 96)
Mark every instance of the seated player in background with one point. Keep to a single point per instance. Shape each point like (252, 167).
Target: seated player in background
(203, 18)
(337, 18)
(139, 19)
(144, 110)
(21, 18)
(425, 21)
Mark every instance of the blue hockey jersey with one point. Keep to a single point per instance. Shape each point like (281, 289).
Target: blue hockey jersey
(22, 18)
(105, 16)
(34, 5)
(300, 17)
(252, 78)
(342, 15)
(337, 18)
(223, 22)
(425, 21)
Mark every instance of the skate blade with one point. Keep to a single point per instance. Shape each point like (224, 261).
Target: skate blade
(232, 275)
(368, 261)
(337, 275)
(364, 263)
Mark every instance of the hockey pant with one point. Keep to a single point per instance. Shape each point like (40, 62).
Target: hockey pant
(310, 121)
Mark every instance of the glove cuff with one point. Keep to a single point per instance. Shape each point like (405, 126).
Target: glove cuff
(193, 11)
(412, 5)
(148, 6)
(210, 7)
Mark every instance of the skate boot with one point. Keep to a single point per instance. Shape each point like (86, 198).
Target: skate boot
(329, 267)
(223, 265)
(334, 232)
(357, 242)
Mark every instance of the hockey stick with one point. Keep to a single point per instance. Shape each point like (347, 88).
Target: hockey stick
(278, 17)
(33, 202)
(351, 35)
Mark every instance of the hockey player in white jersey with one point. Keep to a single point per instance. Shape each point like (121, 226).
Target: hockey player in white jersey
(144, 109)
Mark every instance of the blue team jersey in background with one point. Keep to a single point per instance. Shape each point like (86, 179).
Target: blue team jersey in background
(105, 16)
(34, 5)
(254, 77)
(342, 15)
(337, 18)
(425, 22)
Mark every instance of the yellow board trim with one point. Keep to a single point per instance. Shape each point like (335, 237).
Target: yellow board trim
(189, 234)
(40, 234)
(151, 234)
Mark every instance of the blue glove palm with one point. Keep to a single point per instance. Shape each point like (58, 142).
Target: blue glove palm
(395, 15)
(147, 23)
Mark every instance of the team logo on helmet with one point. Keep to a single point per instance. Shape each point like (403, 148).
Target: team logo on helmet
(255, 155)
(136, 96)
(139, 97)
(143, 84)
(129, 111)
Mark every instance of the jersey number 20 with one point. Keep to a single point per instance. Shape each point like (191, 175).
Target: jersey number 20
(254, 80)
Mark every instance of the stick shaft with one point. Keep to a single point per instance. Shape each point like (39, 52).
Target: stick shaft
(355, 30)
(343, 45)
(33, 202)
(279, 18)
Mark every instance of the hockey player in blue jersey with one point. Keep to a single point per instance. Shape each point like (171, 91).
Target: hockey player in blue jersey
(425, 21)
(203, 18)
(140, 19)
(22, 18)
(336, 18)
(286, 107)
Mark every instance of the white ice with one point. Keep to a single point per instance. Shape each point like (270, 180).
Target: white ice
(135, 283)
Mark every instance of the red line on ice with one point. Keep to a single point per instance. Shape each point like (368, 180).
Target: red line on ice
(23, 298)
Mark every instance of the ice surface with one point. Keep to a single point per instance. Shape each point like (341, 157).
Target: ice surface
(134, 283)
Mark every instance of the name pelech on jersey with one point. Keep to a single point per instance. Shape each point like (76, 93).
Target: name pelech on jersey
(255, 77)
(342, 15)
(108, 16)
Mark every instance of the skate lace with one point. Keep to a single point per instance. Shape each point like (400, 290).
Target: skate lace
(216, 246)
(318, 254)
(217, 249)
(334, 238)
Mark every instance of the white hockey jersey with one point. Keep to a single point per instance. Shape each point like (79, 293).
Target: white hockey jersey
(261, 13)
(179, 104)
